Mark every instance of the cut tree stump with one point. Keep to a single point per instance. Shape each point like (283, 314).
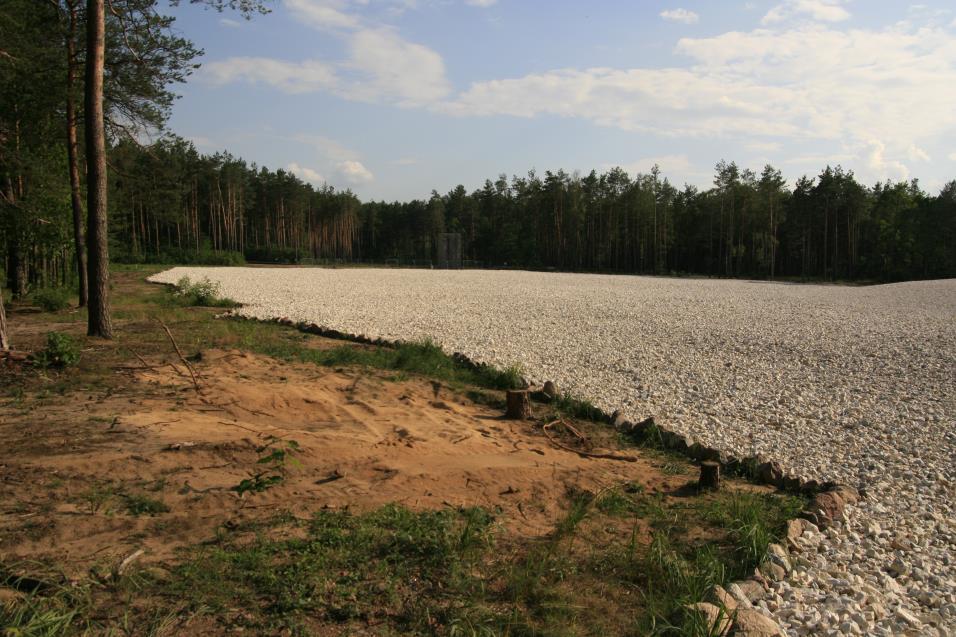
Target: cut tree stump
(518, 404)
(550, 390)
(709, 475)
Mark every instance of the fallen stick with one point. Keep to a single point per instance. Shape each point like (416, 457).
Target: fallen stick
(258, 432)
(125, 563)
(179, 352)
(140, 358)
(586, 454)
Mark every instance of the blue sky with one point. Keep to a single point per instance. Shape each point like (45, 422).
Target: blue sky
(394, 98)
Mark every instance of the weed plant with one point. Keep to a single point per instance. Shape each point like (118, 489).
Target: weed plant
(61, 350)
(52, 299)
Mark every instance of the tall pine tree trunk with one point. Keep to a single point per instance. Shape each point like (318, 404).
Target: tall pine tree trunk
(73, 157)
(4, 339)
(99, 323)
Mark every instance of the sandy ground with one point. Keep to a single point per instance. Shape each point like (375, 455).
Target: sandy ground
(364, 440)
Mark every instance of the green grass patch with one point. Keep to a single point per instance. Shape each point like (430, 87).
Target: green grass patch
(137, 504)
(446, 572)
(37, 616)
(413, 570)
(568, 406)
(423, 358)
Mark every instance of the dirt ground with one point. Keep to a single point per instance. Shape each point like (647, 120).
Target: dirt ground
(362, 438)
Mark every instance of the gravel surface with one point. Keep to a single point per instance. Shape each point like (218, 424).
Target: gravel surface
(853, 384)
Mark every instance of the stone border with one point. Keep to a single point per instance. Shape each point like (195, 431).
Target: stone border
(732, 610)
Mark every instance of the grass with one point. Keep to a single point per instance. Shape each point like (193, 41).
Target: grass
(417, 569)
(568, 406)
(137, 504)
(39, 616)
(423, 358)
(621, 562)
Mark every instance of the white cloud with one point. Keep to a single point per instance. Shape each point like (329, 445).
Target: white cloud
(873, 97)
(669, 164)
(481, 3)
(229, 22)
(895, 85)
(680, 15)
(395, 68)
(952, 157)
(883, 168)
(821, 10)
(763, 147)
(406, 161)
(204, 144)
(328, 157)
(381, 65)
(915, 153)
(322, 14)
(288, 77)
(818, 160)
(354, 172)
(326, 147)
(306, 174)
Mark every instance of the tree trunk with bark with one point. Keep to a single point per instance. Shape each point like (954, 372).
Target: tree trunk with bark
(99, 323)
(4, 338)
(73, 157)
(518, 405)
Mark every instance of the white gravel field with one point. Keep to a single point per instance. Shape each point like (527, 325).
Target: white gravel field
(852, 384)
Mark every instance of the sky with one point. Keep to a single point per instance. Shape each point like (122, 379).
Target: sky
(395, 98)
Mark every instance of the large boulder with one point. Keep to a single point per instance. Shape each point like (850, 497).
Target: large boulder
(716, 620)
(825, 509)
(722, 599)
(848, 494)
(779, 556)
(747, 591)
(750, 623)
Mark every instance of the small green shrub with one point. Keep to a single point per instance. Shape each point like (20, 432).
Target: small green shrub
(204, 293)
(62, 350)
(144, 505)
(52, 299)
(278, 455)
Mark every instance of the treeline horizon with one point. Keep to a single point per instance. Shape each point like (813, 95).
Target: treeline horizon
(78, 191)
(171, 204)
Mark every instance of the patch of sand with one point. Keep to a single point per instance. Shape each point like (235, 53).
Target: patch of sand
(364, 441)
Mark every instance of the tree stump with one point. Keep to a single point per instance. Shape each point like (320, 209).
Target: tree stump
(518, 404)
(550, 390)
(709, 475)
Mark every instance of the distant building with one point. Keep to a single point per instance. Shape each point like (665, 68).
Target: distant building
(449, 250)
